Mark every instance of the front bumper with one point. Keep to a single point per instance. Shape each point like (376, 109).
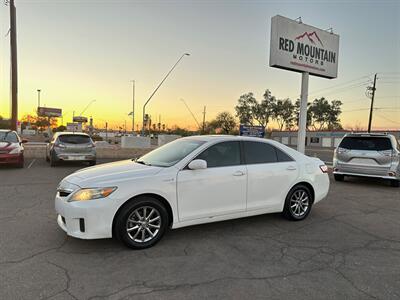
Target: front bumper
(11, 158)
(90, 219)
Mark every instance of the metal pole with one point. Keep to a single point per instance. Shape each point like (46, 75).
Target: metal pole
(204, 120)
(14, 71)
(372, 104)
(133, 107)
(301, 135)
(39, 98)
(162, 81)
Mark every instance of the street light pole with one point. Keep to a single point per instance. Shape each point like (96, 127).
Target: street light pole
(133, 107)
(162, 81)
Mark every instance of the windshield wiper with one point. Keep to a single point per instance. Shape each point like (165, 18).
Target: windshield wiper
(142, 162)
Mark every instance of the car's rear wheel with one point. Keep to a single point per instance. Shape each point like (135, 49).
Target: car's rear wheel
(338, 177)
(53, 160)
(395, 183)
(141, 223)
(298, 203)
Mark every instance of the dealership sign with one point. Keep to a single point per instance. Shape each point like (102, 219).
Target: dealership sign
(255, 131)
(302, 48)
(49, 112)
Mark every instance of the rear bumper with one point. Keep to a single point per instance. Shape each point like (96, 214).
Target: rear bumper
(11, 159)
(367, 175)
(76, 156)
(387, 171)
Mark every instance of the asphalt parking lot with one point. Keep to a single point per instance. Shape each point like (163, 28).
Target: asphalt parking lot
(348, 248)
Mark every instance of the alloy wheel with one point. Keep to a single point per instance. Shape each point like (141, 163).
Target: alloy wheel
(143, 224)
(299, 203)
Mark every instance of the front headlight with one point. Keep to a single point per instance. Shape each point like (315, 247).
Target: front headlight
(91, 194)
(16, 150)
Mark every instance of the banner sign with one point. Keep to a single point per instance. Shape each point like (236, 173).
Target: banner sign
(302, 48)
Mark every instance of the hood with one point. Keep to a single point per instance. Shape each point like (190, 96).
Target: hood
(4, 144)
(111, 173)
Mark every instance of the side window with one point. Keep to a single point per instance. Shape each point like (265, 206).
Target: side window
(222, 155)
(259, 153)
(282, 156)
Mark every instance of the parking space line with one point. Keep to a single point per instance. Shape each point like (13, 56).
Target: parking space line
(32, 162)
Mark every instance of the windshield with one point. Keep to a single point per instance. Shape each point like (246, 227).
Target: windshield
(8, 136)
(171, 153)
(74, 139)
(366, 143)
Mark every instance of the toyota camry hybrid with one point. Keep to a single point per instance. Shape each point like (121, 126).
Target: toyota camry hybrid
(189, 181)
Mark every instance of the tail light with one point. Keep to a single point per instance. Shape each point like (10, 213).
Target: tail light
(342, 150)
(59, 145)
(390, 153)
(324, 168)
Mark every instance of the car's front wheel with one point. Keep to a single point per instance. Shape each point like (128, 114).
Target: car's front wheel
(141, 223)
(338, 177)
(395, 183)
(298, 203)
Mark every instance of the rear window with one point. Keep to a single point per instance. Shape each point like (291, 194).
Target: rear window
(74, 139)
(366, 143)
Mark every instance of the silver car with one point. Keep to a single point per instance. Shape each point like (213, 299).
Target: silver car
(368, 154)
(70, 146)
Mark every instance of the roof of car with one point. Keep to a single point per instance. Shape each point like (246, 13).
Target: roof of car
(223, 137)
(70, 133)
(5, 130)
(377, 134)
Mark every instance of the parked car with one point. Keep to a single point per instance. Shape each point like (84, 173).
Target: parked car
(71, 146)
(368, 154)
(11, 148)
(189, 181)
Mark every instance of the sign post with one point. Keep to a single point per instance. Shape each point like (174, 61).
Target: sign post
(302, 48)
(301, 135)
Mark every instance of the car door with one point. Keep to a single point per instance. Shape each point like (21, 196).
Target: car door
(217, 190)
(271, 172)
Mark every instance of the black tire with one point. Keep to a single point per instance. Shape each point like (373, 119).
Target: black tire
(295, 213)
(53, 160)
(395, 183)
(92, 163)
(128, 212)
(338, 177)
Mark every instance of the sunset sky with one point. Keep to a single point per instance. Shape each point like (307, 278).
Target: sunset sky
(77, 51)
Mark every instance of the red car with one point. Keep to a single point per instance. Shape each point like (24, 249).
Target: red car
(11, 148)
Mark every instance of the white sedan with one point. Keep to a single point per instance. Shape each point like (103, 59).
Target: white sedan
(190, 181)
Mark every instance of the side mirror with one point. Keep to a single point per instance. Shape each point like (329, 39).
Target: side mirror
(197, 164)
(24, 141)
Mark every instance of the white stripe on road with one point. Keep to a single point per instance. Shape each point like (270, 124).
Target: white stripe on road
(32, 162)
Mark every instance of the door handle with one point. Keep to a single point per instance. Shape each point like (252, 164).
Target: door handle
(238, 173)
(291, 168)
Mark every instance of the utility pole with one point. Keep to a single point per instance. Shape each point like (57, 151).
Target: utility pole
(372, 89)
(133, 107)
(106, 132)
(14, 71)
(38, 99)
(204, 120)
